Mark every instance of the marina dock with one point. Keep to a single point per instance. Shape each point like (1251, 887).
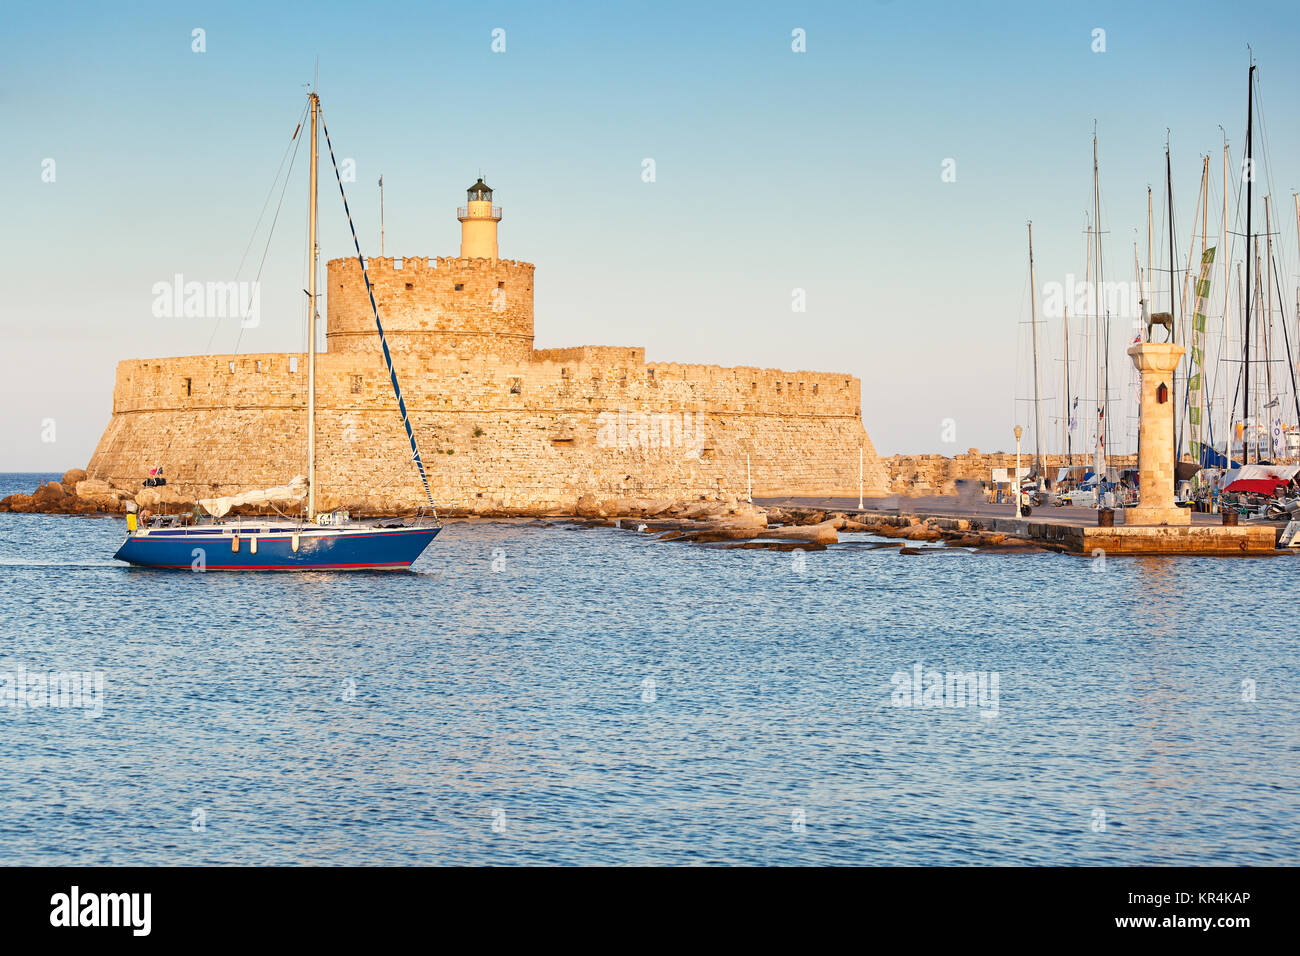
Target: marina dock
(1073, 529)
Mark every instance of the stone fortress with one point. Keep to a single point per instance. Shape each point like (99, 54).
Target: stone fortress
(503, 427)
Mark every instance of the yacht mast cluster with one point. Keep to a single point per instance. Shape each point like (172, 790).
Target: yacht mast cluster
(1212, 428)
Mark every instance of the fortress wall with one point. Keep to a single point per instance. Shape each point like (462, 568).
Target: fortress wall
(612, 355)
(422, 308)
(494, 434)
(211, 381)
(761, 390)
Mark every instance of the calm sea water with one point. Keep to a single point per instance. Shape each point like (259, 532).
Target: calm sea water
(602, 698)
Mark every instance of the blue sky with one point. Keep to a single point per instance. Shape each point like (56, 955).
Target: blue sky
(775, 170)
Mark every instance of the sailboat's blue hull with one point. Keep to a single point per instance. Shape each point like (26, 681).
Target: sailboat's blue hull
(218, 548)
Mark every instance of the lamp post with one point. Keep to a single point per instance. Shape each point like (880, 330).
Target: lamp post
(859, 477)
(1015, 484)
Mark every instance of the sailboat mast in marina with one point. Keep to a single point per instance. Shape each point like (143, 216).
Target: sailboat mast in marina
(1102, 329)
(1033, 324)
(1173, 298)
(1246, 419)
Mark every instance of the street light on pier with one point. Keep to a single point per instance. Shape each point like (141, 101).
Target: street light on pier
(1015, 484)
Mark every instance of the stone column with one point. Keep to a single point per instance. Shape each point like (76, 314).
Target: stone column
(1156, 361)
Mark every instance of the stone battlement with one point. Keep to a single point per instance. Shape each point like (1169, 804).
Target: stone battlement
(461, 307)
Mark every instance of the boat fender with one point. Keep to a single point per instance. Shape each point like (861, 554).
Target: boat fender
(295, 542)
(252, 545)
(234, 543)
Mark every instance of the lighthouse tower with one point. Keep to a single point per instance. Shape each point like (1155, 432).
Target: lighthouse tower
(478, 223)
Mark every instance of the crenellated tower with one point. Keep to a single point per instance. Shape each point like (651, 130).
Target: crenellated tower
(472, 305)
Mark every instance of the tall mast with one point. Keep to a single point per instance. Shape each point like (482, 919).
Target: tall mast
(1250, 181)
(1150, 284)
(1169, 208)
(1207, 426)
(313, 245)
(1103, 336)
(1069, 452)
(1085, 361)
(1173, 299)
(1266, 328)
(1135, 378)
(1226, 256)
(1259, 333)
(1150, 236)
(1033, 315)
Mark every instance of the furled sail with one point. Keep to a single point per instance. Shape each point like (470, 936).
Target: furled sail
(388, 358)
(281, 495)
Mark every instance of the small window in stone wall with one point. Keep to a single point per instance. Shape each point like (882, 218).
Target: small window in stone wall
(259, 365)
(232, 368)
(410, 286)
(356, 384)
(778, 388)
(516, 386)
(188, 390)
(564, 373)
(814, 388)
(460, 287)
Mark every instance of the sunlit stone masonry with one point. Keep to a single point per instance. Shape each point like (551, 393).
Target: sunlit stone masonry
(502, 426)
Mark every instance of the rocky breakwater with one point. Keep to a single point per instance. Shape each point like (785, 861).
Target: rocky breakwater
(73, 494)
(720, 521)
(727, 522)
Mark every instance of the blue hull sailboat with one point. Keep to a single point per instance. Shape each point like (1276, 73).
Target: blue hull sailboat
(327, 541)
(253, 545)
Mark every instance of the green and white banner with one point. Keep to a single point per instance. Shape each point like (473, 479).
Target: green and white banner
(1197, 412)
